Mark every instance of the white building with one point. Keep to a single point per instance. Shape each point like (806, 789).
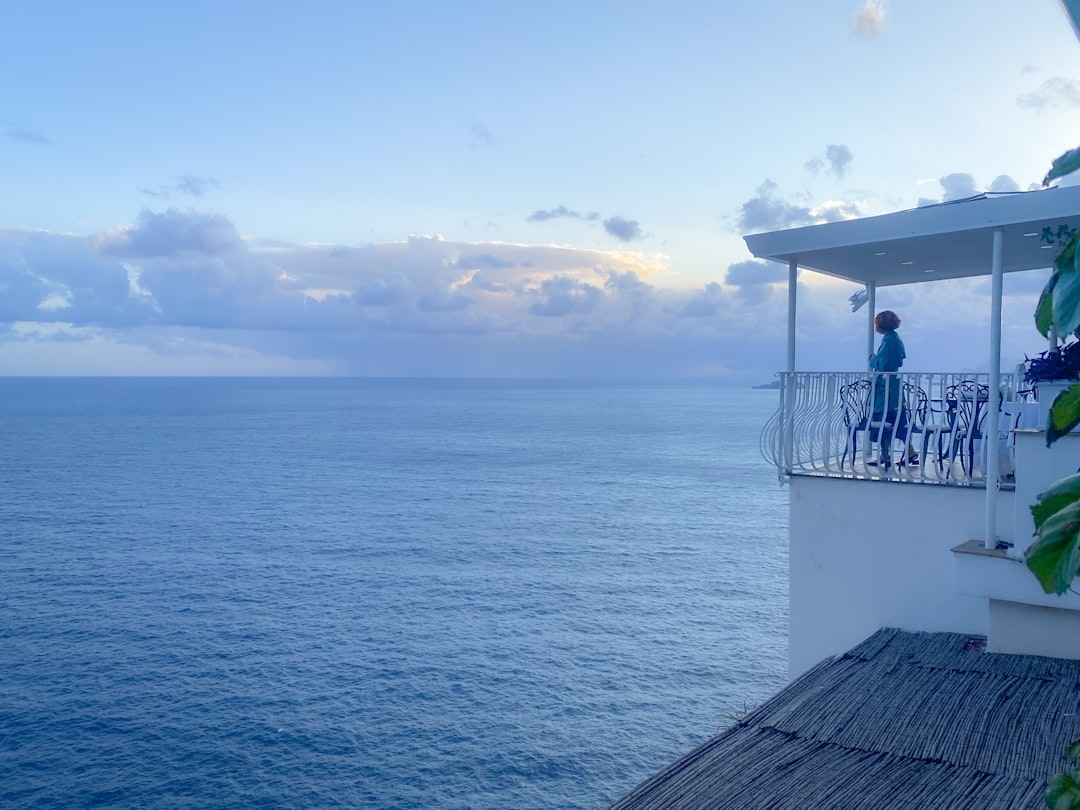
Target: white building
(929, 670)
(934, 547)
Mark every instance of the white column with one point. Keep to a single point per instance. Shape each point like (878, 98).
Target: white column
(793, 272)
(993, 415)
(788, 392)
(871, 313)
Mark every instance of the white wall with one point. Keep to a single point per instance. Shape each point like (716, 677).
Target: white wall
(1037, 467)
(1033, 630)
(872, 554)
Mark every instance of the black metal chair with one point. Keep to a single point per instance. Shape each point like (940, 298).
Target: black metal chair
(939, 426)
(972, 404)
(916, 407)
(882, 407)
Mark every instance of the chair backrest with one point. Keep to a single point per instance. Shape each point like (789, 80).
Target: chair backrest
(855, 399)
(972, 399)
(915, 403)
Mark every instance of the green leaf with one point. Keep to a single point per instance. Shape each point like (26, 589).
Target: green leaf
(1064, 414)
(1044, 318)
(1059, 495)
(1066, 301)
(1063, 791)
(1072, 753)
(1055, 557)
(1066, 260)
(1066, 164)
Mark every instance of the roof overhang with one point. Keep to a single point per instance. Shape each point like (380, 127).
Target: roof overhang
(947, 240)
(1072, 10)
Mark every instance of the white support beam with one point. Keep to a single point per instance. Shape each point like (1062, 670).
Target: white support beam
(871, 313)
(792, 295)
(993, 412)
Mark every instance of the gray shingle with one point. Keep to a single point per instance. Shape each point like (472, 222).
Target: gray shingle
(903, 720)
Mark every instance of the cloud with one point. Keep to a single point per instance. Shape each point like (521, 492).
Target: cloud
(479, 281)
(26, 136)
(172, 232)
(559, 297)
(478, 261)
(561, 212)
(755, 272)
(752, 279)
(626, 230)
(188, 184)
(179, 291)
(50, 277)
(1003, 183)
(837, 158)
(870, 21)
(705, 304)
(958, 186)
(443, 301)
(422, 306)
(480, 132)
(1052, 93)
(961, 185)
(382, 292)
(767, 212)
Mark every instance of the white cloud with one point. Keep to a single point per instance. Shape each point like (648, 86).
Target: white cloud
(768, 212)
(836, 160)
(186, 295)
(626, 230)
(174, 231)
(870, 21)
(958, 186)
(1055, 92)
(184, 285)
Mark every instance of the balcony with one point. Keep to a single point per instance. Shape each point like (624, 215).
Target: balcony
(861, 425)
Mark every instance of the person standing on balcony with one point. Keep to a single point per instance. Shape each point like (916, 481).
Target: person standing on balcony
(888, 360)
(890, 354)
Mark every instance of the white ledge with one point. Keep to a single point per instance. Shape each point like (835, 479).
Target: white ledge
(993, 574)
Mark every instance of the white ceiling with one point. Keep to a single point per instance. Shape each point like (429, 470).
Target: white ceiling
(948, 240)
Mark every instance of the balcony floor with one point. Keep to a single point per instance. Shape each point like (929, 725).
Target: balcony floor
(950, 472)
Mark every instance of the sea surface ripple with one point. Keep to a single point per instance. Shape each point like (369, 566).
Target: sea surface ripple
(378, 594)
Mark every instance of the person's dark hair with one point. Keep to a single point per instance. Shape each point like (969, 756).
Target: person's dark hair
(887, 321)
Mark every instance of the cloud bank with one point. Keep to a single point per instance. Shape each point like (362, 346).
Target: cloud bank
(183, 284)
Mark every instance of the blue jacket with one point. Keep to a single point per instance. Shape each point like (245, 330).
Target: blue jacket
(890, 354)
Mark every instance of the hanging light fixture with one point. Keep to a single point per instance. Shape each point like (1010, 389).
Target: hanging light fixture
(858, 299)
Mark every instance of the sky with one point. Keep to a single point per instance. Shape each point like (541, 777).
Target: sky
(500, 189)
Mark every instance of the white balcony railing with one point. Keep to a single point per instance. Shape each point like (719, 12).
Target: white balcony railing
(867, 425)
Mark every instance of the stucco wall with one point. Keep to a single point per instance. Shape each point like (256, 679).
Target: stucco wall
(1037, 467)
(870, 554)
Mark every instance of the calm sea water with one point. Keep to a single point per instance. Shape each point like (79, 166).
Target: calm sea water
(376, 594)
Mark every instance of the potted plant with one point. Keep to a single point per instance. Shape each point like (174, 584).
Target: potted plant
(1053, 371)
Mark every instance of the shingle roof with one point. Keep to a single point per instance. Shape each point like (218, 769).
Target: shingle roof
(903, 720)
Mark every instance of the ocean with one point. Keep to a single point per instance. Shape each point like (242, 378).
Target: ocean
(308, 593)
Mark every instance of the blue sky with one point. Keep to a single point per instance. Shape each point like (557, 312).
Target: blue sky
(497, 188)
